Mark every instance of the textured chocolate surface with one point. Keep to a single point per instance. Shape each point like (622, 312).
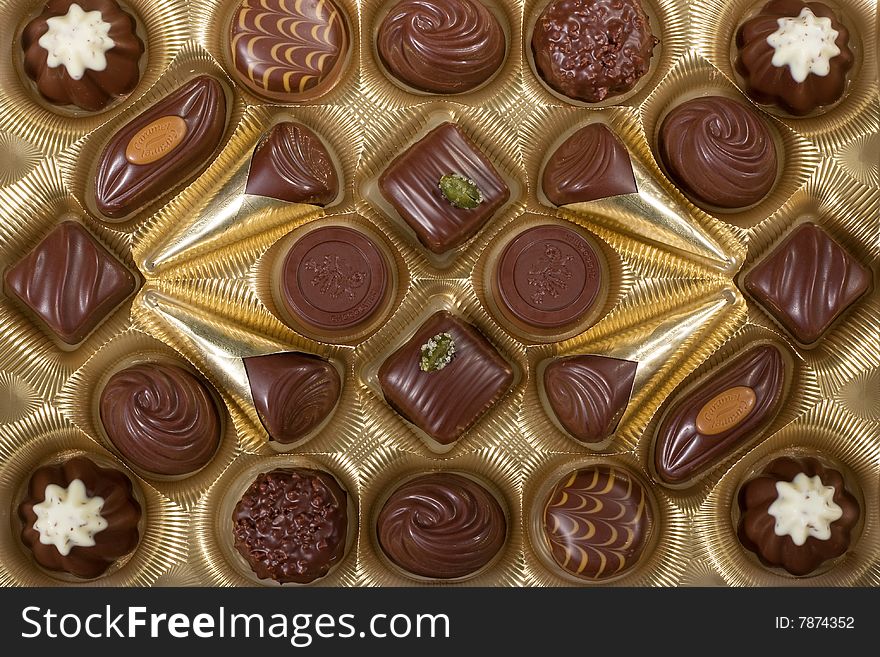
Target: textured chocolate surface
(120, 510)
(770, 84)
(334, 279)
(441, 46)
(807, 282)
(92, 89)
(597, 521)
(161, 418)
(591, 50)
(148, 157)
(588, 394)
(411, 185)
(290, 525)
(591, 164)
(293, 392)
(718, 151)
(70, 281)
(548, 277)
(721, 401)
(288, 51)
(445, 403)
(757, 531)
(292, 164)
(441, 525)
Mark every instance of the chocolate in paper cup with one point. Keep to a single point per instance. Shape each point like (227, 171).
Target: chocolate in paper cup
(81, 398)
(840, 441)
(218, 562)
(162, 526)
(493, 425)
(500, 91)
(664, 554)
(386, 470)
(162, 27)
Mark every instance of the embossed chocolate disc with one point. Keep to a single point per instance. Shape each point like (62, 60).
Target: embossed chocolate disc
(548, 276)
(334, 278)
(725, 410)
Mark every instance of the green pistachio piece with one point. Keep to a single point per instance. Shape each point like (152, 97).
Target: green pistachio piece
(437, 353)
(460, 191)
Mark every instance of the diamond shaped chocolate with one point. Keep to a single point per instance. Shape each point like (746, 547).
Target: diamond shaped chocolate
(411, 183)
(446, 401)
(807, 282)
(70, 282)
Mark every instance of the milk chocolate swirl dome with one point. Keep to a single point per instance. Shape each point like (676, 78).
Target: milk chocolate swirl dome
(719, 152)
(92, 88)
(774, 84)
(441, 525)
(161, 418)
(441, 46)
(758, 526)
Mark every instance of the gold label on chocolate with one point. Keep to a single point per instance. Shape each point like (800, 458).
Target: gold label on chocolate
(155, 141)
(725, 410)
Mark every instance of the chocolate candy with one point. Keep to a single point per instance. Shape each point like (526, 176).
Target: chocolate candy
(293, 393)
(79, 518)
(588, 394)
(795, 55)
(334, 279)
(291, 164)
(291, 525)
(589, 165)
(411, 183)
(548, 278)
(591, 50)
(441, 46)
(441, 525)
(288, 51)
(83, 53)
(162, 148)
(446, 402)
(718, 151)
(730, 406)
(797, 514)
(807, 282)
(161, 418)
(70, 282)
(596, 522)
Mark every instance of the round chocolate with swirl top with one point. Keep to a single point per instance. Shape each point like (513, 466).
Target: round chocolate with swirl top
(441, 525)
(78, 517)
(797, 514)
(291, 525)
(795, 55)
(289, 50)
(161, 418)
(334, 279)
(441, 46)
(719, 152)
(591, 50)
(82, 52)
(597, 522)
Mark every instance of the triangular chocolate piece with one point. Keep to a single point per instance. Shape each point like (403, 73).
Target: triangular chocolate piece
(291, 164)
(588, 394)
(589, 165)
(293, 392)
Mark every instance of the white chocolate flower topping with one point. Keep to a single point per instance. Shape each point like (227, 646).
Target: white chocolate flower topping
(804, 507)
(78, 41)
(805, 44)
(68, 517)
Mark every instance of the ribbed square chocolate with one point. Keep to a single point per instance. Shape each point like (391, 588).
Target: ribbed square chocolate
(411, 183)
(807, 282)
(70, 282)
(447, 402)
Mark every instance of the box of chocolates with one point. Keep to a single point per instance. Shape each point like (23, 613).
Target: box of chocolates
(439, 292)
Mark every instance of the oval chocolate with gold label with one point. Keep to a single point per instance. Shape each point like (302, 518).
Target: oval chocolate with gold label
(725, 410)
(156, 140)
